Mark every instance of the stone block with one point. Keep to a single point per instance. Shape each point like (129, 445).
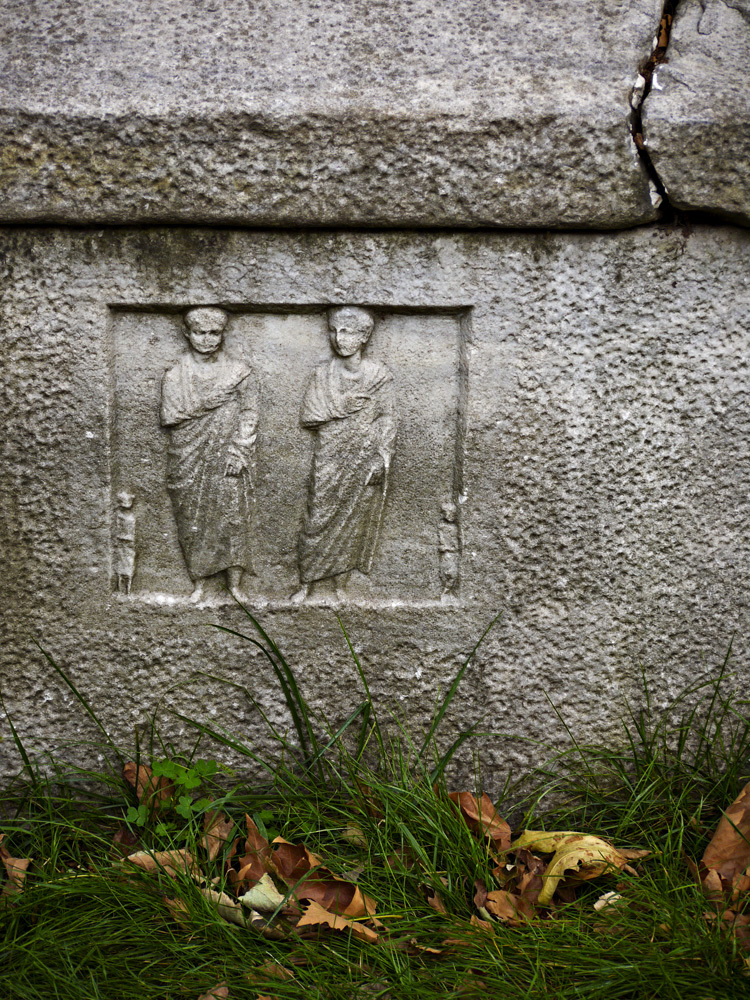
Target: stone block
(582, 400)
(696, 120)
(365, 112)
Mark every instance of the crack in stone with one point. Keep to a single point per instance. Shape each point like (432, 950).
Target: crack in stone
(640, 92)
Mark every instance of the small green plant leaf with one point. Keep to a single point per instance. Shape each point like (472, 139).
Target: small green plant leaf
(184, 807)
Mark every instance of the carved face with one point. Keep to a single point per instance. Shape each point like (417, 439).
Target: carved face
(350, 330)
(450, 512)
(205, 341)
(204, 328)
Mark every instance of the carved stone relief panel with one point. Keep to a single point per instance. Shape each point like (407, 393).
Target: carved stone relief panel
(295, 456)
(565, 451)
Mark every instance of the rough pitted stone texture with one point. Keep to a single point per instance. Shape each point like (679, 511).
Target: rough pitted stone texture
(696, 120)
(474, 112)
(595, 390)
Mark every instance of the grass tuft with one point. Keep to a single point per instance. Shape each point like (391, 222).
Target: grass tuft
(372, 801)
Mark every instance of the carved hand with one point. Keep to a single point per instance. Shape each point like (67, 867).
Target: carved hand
(354, 402)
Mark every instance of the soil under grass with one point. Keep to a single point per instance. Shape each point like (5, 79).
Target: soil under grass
(374, 807)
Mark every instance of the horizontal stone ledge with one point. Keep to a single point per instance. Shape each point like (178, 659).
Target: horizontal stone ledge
(549, 170)
(364, 112)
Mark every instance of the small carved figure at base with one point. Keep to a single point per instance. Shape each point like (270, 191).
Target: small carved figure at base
(349, 407)
(125, 543)
(449, 551)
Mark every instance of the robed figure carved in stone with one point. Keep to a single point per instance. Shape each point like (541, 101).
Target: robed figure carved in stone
(209, 406)
(349, 406)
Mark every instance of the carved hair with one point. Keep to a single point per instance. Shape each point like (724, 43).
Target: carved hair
(366, 321)
(197, 319)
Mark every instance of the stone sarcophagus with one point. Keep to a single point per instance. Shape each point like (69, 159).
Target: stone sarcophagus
(242, 364)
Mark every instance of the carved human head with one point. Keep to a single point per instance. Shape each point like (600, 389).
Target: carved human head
(125, 499)
(204, 328)
(351, 328)
(450, 511)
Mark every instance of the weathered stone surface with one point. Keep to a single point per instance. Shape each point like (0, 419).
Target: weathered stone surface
(696, 120)
(474, 112)
(583, 398)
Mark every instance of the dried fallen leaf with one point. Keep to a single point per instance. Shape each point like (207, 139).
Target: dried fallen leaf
(152, 792)
(608, 899)
(303, 872)
(15, 870)
(264, 896)
(480, 893)
(250, 866)
(352, 832)
(226, 907)
(474, 926)
(269, 970)
(124, 841)
(482, 817)
(316, 916)
(724, 869)
(170, 862)
(508, 908)
(413, 947)
(737, 923)
(291, 862)
(434, 899)
(178, 910)
(218, 992)
(546, 841)
(584, 855)
(337, 895)
(482, 925)
(217, 829)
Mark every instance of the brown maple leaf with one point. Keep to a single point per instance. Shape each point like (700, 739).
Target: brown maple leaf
(482, 817)
(724, 869)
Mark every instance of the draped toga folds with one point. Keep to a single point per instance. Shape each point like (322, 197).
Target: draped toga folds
(344, 511)
(210, 409)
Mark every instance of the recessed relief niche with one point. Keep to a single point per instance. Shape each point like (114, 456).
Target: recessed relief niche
(297, 456)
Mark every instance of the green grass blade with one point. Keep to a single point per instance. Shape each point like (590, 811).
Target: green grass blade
(89, 710)
(18, 741)
(289, 698)
(363, 678)
(438, 718)
(291, 680)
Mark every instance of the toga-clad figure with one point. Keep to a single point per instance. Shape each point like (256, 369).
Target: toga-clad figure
(209, 406)
(349, 405)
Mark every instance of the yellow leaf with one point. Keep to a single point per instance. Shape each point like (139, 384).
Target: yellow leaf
(546, 841)
(583, 855)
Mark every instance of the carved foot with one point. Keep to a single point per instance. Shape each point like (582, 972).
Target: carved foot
(248, 600)
(448, 597)
(198, 595)
(300, 596)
